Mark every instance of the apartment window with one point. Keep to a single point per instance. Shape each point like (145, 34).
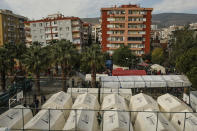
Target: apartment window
(34, 25)
(41, 37)
(134, 38)
(40, 24)
(56, 35)
(67, 28)
(109, 32)
(110, 26)
(110, 19)
(55, 22)
(55, 29)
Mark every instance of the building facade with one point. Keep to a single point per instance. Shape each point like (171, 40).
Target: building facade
(87, 29)
(127, 25)
(11, 27)
(96, 33)
(57, 27)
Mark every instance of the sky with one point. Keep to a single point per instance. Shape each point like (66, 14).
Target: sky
(36, 9)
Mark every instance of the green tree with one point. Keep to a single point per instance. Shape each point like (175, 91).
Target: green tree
(124, 57)
(93, 60)
(20, 50)
(187, 64)
(5, 65)
(37, 60)
(67, 56)
(158, 56)
(183, 41)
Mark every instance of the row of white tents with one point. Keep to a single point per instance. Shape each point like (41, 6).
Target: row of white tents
(151, 114)
(149, 81)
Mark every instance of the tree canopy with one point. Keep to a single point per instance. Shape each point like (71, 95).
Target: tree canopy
(158, 56)
(124, 57)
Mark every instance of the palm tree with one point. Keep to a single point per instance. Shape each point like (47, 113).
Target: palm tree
(37, 60)
(66, 56)
(19, 51)
(4, 66)
(93, 59)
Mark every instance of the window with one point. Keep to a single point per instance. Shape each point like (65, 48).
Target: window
(134, 38)
(34, 25)
(40, 24)
(67, 28)
(55, 22)
(41, 37)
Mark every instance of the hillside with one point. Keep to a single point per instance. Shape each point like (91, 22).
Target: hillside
(162, 20)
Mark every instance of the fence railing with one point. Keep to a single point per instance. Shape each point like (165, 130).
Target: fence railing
(20, 115)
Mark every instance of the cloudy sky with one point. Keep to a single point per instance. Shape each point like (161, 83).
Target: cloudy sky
(36, 9)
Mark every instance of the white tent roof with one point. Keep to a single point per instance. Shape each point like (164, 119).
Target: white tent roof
(42, 119)
(60, 100)
(114, 101)
(154, 81)
(89, 77)
(82, 120)
(170, 103)
(141, 102)
(78, 91)
(148, 121)
(116, 121)
(145, 81)
(13, 118)
(86, 100)
(158, 68)
(190, 121)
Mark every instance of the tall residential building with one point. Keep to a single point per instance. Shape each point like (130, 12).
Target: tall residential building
(87, 30)
(128, 25)
(96, 33)
(57, 27)
(11, 27)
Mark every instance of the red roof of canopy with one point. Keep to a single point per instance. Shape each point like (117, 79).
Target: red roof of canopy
(118, 72)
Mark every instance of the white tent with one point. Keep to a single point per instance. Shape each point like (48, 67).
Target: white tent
(60, 100)
(116, 121)
(154, 81)
(89, 77)
(82, 120)
(13, 118)
(190, 120)
(141, 102)
(158, 68)
(148, 121)
(44, 118)
(149, 81)
(193, 99)
(126, 93)
(79, 91)
(86, 100)
(169, 103)
(114, 101)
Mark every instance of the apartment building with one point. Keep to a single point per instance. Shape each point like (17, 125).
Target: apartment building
(57, 27)
(87, 29)
(11, 27)
(28, 39)
(96, 33)
(128, 25)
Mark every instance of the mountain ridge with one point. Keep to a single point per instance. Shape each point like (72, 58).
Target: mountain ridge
(162, 19)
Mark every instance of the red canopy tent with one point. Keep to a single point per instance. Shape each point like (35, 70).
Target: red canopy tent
(121, 72)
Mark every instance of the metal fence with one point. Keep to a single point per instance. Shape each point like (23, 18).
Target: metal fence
(100, 121)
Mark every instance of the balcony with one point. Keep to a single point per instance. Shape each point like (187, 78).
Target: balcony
(134, 42)
(136, 29)
(135, 15)
(135, 35)
(136, 22)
